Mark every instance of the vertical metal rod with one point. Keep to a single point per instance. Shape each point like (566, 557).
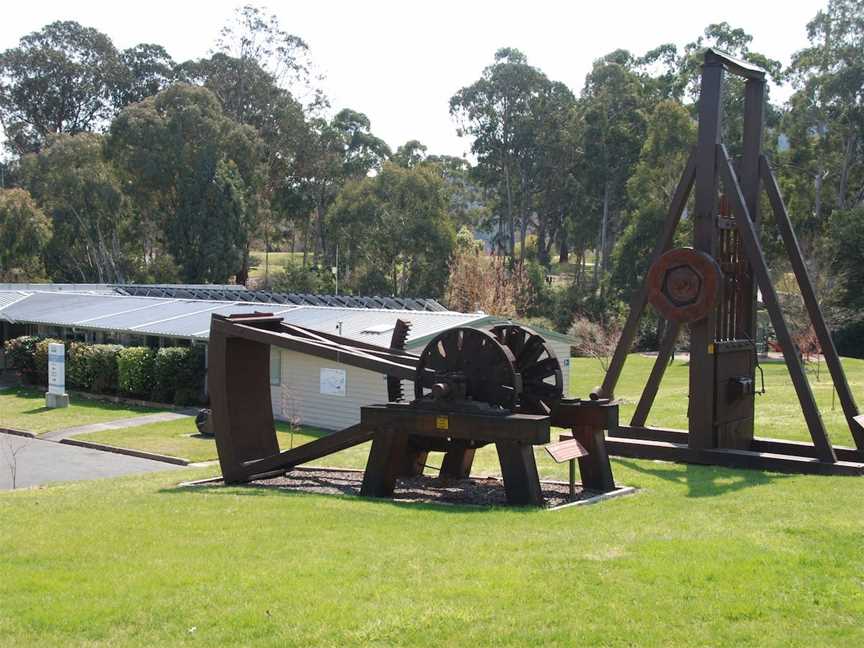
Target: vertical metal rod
(572, 478)
(769, 295)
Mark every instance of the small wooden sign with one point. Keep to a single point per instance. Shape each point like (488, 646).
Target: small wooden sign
(566, 450)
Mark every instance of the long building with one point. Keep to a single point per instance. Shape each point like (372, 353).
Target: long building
(100, 315)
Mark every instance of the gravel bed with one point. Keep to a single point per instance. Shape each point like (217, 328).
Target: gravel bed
(477, 491)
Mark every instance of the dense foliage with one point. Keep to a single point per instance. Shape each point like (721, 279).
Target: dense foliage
(129, 166)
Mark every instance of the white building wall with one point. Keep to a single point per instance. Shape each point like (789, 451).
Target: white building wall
(299, 396)
(562, 350)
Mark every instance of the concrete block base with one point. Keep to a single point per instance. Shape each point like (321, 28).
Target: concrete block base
(54, 401)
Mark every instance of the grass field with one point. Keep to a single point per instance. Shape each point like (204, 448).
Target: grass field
(278, 260)
(777, 412)
(24, 408)
(180, 438)
(701, 556)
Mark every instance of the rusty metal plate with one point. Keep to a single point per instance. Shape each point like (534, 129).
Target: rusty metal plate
(566, 450)
(683, 285)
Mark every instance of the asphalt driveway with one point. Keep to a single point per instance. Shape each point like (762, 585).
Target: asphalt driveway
(40, 462)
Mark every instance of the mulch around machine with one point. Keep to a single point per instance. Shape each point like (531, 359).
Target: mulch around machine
(476, 491)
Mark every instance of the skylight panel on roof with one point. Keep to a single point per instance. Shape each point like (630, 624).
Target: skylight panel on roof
(379, 329)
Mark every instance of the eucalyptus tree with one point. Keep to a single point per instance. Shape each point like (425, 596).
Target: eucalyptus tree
(58, 79)
(612, 107)
(496, 111)
(24, 233)
(94, 238)
(395, 230)
(199, 173)
(330, 152)
(826, 120)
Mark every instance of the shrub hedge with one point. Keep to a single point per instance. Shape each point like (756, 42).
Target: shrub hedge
(21, 355)
(40, 361)
(135, 371)
(169, 375)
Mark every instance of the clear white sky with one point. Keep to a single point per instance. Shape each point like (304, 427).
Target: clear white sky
(400, 62)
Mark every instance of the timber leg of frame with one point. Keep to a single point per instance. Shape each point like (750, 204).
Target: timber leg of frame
(386, 458)
(519, 470)
(594, 467)
(413, 461)
(457, 463)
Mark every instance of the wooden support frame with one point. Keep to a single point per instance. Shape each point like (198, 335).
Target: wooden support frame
(708, 168)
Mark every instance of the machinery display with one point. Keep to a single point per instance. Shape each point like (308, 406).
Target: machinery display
(712, 288)
(472, 388)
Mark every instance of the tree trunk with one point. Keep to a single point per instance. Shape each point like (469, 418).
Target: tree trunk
(600, 261)
(510, 224)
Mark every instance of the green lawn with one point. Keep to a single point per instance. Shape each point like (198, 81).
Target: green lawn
(701, 556)
(24, 408)
(180, 438)
(278, 260)
(777, 412)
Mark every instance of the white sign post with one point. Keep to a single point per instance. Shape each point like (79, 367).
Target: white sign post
(56, 395)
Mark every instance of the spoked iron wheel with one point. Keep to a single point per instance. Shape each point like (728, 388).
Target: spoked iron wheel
(536, 362)
(472, 358)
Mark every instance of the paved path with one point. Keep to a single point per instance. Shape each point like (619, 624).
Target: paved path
(119, 424)
(40, 462)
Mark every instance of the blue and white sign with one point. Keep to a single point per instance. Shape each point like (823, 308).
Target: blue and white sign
(56, 369)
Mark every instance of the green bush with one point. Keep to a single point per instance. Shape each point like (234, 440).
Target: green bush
(40, 360)
(78, 367)
(20, 355)
(102, 367)
(168, 365)
(136, 371)
(178, 375)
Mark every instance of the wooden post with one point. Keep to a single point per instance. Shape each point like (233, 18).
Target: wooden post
(457, 463)
(386, 457)
(832, 358)
(519, 470)
(657, 371)
(701, 406)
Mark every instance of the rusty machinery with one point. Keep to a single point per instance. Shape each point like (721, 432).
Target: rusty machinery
(472, 387)
(712, 288)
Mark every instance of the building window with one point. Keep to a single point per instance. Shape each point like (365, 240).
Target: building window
(275, 366)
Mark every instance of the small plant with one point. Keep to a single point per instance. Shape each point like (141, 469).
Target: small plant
(595, 341)
(11, 450)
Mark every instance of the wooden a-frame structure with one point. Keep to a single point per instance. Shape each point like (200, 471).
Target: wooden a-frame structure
(722, 352)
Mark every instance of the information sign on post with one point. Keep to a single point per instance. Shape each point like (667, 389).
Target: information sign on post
(56, 395)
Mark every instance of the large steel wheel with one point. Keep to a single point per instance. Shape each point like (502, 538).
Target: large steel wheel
(536, 362)
(470, 363)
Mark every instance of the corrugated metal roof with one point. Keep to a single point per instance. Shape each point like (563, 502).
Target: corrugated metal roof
(190, 318)
(240, 293)
(9, 298)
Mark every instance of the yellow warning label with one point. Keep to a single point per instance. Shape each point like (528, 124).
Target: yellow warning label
(442, 423)
(710, 349)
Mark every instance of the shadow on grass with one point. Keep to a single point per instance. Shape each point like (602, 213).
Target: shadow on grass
(705, 481)
(253, 490)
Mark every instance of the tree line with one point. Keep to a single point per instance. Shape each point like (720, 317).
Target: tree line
(126, 165)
